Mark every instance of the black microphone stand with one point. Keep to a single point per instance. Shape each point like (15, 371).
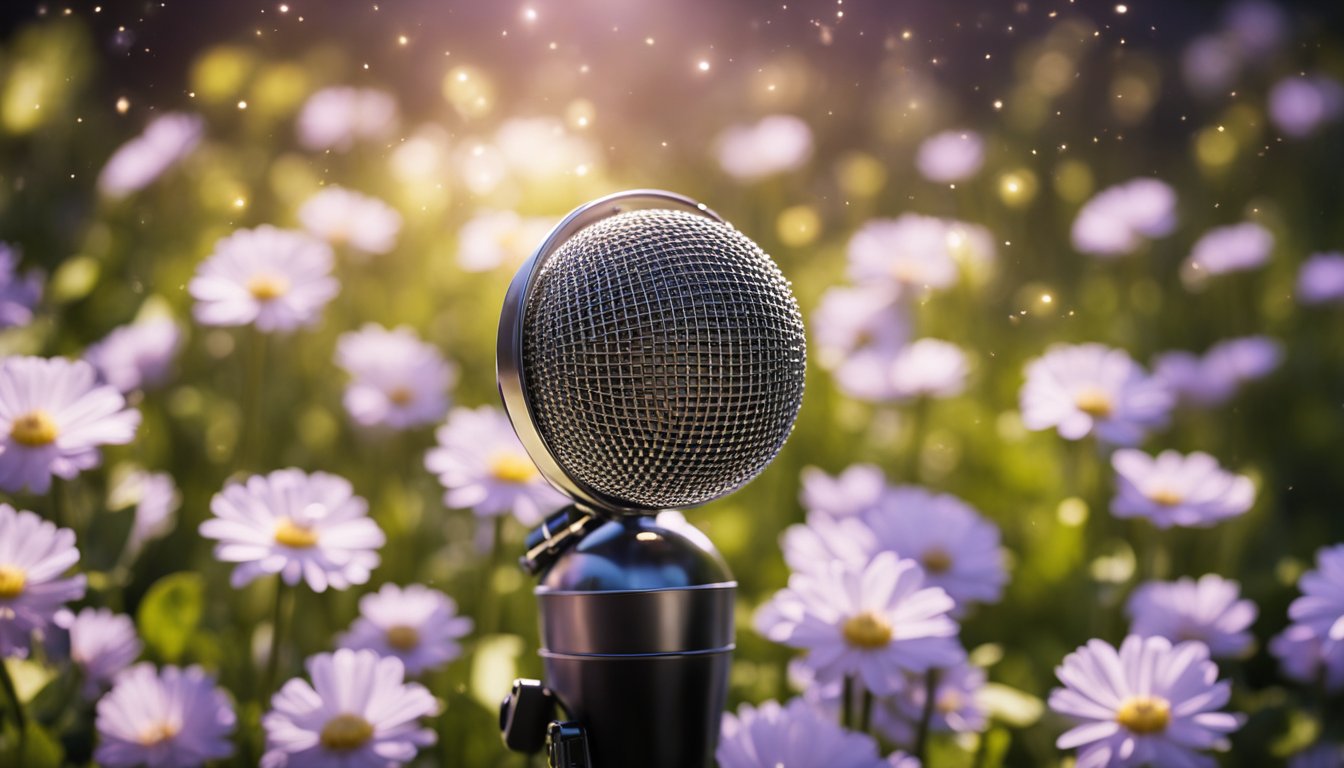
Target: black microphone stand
(637, 639)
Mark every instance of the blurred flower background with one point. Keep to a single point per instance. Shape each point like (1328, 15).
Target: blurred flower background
(1065, 484)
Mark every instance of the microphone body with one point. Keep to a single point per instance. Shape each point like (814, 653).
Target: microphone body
(650, 357)
(637, 641)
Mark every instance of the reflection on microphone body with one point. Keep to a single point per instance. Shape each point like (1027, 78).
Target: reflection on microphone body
(650, 358)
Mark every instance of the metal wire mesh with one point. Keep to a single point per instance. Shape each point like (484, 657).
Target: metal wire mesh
(663, 356)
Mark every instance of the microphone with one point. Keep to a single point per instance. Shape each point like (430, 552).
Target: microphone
(650, 357)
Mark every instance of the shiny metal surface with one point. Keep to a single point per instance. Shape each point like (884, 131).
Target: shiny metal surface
(651, 356)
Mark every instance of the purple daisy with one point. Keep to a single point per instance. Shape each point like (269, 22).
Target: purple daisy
(19, 294)
(873, 622)
(929, 368)
(1210, 64)
(301, 526)
(492, 239)
(958, 549)
(416, 624)
(344, 217)
(851, 319)
(1321, 605)
(909, 254)
(484, 468)
(1222, 250)
(956, 705)
(1323, 755)
(972, 246)
(950, 156)
(795, 735)
(1257, 26)
(1321, 279)
(53, 416)
(481, 167)
(34, 557)
(1150, 703)
(859, 332)
(1214, 378)
(1172, 489)
(1092, 389)
(1299, 106)
(175, 718)
(1209, 610)
(102, 644)
(1304, 657)
(1244, 359)
(137, 356)
(276, 279)
(165, 141)
(156, 500)
(335, 118)
(542, 150)
(1119, 219)
(398, 381)
(825, 539)
(857, 488)
(357, 713)
(776, 144)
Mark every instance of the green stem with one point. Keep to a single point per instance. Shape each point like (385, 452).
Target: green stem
(446, 741)
(866, 712)
(58, 511)
(1157, 559)
(919, 419)
(926, 716)
(256, 376)
(284, 613)
(1089, 482)
(20, 717)
(490, 615)
(847, 702)
(981, 749)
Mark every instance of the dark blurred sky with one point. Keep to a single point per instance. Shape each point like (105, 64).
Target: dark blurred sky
(148, 45)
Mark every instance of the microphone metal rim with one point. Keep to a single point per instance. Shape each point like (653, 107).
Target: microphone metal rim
(509, 346)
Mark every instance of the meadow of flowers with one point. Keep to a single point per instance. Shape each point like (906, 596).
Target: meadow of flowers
(1065, 488)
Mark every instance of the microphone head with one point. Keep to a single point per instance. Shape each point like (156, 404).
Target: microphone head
(651, 356)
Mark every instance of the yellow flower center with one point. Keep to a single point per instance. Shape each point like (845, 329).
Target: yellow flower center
(907, 272)
(937, 560)
(1144, 714)
(1094, 403)
(948, 703)
(401, 396)
(265, 286)
(290, 534)
(34, 429)
(1165, 496)
(157, 733)
(402, 637)
(867, 630)
(12, 581)
(512, 468)
(346, 732)
(338, 234)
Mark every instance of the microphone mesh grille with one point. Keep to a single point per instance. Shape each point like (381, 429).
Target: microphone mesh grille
(663, 357)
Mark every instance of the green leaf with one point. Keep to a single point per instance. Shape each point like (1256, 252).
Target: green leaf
(170, 613)
(1303, 730)
(29, 677)
(494, 666)
(1009, 705)
(37, 748)
(107, 537)
(74, 279)
(995, 748)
